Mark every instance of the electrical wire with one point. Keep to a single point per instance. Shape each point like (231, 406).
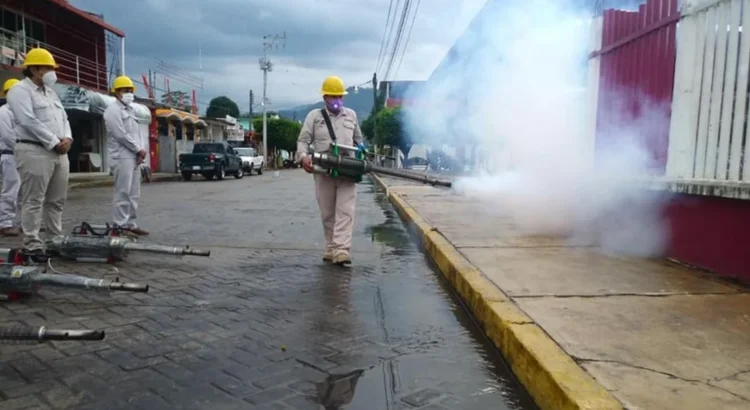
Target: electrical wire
(388, 39)
(385, 34)
(408, 38)
(399, 34)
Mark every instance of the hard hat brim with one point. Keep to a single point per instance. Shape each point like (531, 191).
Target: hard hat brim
(334, 94)
(55, 66)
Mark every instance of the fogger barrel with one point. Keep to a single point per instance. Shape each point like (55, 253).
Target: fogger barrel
(109, 249)
(42, 334)
(359, 166)
(25, 279)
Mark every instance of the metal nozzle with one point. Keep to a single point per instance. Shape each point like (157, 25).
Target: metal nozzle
(42, 334)
(56, 334)
(170, 250)
(128, 287)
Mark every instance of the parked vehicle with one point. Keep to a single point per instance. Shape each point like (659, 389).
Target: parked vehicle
(212, 160)
(251, 161)
(289, 163)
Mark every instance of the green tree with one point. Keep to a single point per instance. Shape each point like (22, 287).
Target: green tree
(220, 107)
(282, 133)
(389, 130)
(368, 128)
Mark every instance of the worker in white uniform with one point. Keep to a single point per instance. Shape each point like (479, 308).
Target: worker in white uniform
(11, 180)
(41, 152)
(125, 148)
(336, 198)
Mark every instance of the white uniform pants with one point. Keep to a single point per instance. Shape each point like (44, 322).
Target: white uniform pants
(337, 199)
(127, 174)
(44, 190)
(9, 193)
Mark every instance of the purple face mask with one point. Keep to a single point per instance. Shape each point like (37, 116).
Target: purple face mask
(334, 104)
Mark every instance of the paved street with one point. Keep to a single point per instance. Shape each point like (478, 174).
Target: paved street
(263, 323)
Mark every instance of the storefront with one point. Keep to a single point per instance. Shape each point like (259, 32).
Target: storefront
(177, 132)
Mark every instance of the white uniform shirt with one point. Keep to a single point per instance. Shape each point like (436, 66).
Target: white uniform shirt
(123, 135)
(7, 129)
(39, 113)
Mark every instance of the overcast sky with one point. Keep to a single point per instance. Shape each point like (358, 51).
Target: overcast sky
(323, 38)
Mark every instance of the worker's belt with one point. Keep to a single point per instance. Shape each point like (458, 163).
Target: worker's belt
(32, 142)
(6, 152)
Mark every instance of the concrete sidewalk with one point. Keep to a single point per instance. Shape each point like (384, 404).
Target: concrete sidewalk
(583, 330)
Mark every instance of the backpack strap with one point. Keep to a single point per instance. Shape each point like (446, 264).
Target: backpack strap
(327, 119)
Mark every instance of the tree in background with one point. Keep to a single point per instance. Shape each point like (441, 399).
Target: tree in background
(220, 107)
(282, 134)
(177, 99)
(389, 130)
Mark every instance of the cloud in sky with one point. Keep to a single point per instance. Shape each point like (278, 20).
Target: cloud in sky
(323, 38)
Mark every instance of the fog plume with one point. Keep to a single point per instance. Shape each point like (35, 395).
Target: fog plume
(515, 87)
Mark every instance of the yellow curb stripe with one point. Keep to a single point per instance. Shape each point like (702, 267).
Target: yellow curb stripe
(551, 376)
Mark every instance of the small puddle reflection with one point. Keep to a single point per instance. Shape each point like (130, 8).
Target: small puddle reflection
(337, 390)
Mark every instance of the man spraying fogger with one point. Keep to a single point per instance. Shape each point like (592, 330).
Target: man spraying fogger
(11, 180)
(41, 151)
(336, 197)
(126, 151)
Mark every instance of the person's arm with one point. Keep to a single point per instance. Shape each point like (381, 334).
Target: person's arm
(21, 104)
(66, 127)
(357, 132)
(116, 127)
(6, 125)
(306, 136)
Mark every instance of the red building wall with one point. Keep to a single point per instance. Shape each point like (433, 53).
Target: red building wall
(73, 34)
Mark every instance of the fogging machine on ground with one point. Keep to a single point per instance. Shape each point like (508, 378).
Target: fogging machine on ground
(17, 281)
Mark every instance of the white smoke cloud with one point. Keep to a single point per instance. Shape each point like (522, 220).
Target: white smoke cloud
(517, 90)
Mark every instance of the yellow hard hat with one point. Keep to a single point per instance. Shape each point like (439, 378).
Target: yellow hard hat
(122, 81)
(39, 57)
(333, 86)
(9, 84)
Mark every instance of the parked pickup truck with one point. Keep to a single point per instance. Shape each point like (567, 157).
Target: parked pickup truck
(212, 160)
(251, 161)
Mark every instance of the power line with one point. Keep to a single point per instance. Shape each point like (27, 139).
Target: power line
(385, 34)
(388, 40)
(408, 37)
(399, 33)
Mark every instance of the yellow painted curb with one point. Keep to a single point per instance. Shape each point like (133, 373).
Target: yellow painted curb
(551, 376)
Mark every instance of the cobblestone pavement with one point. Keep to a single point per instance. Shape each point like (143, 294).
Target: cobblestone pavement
(263, 323)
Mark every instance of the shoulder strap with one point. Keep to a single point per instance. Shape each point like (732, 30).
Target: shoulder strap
(328, 123)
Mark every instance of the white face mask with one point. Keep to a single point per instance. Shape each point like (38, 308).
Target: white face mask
(128, 98)
(49, 78)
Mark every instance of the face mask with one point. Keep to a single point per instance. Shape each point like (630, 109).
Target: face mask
(128, 98)
(335, 104)
(49, 78)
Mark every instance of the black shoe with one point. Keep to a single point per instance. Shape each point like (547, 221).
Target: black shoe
(35, 255)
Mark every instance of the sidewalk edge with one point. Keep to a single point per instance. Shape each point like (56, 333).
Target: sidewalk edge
(109, 182)
(553, 379)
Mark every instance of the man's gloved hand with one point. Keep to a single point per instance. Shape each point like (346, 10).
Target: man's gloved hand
(361, 147)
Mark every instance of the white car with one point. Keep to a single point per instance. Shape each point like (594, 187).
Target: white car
(251, 161)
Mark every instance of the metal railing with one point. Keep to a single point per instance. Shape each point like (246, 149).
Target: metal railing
(73, 68)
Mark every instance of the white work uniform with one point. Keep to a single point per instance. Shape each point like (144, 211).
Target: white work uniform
(41, 124)
(124, 142)
(11, 180)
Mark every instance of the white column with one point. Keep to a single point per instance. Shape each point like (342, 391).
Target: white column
(122, 56)
(592, 88)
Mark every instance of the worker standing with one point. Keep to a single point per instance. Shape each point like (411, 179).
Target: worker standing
(125, 148)
(11, 180)
(336, 196)
(44, 139)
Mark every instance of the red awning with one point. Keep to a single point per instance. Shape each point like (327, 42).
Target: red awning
(96, 20)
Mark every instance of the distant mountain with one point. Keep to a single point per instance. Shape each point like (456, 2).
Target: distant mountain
(360, 102)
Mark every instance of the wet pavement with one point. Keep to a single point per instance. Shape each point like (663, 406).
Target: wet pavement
(263, 323)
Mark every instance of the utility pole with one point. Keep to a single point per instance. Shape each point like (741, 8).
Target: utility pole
(252, 100)
(269, 42)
